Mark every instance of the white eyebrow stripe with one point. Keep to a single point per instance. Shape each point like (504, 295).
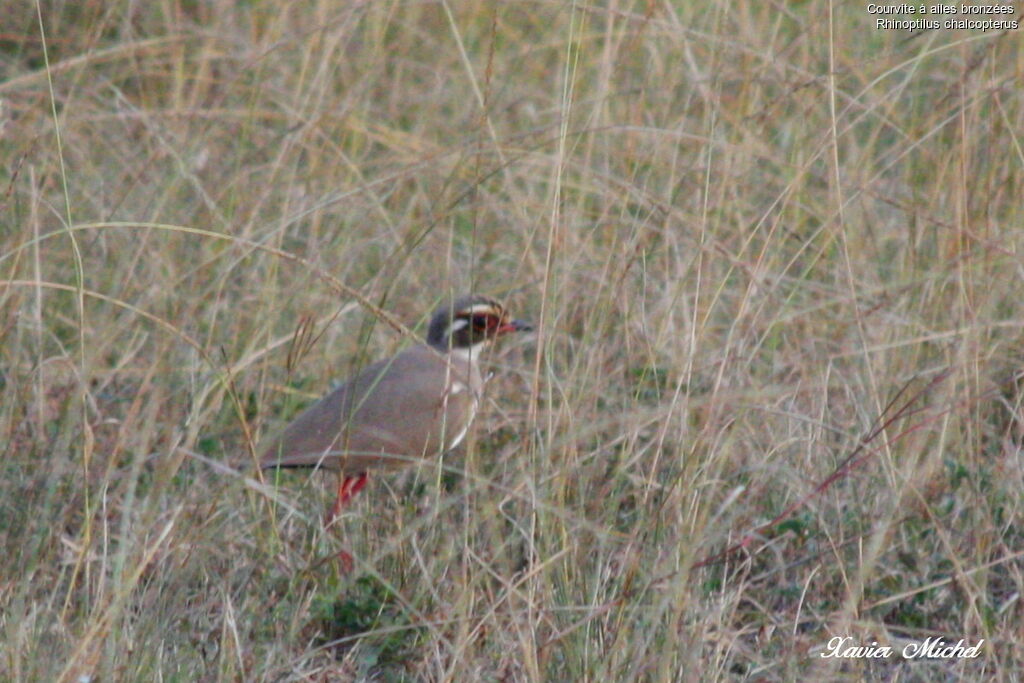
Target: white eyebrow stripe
(457, 325)
(481, 308)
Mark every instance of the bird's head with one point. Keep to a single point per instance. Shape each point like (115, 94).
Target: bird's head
(470, 323)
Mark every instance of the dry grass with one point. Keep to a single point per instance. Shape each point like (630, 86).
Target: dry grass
(742, 228)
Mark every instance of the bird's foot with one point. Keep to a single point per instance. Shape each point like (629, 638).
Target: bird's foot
(346, 563)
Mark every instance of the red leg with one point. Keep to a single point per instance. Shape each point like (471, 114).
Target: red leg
(358, 482)
(348, 488)
(345, 562)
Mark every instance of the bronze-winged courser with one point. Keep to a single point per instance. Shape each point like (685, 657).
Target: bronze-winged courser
(415, 405)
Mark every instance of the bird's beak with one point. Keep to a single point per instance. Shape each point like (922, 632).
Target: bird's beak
(515, 326)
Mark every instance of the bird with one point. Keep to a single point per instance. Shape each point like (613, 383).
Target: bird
(413, 406)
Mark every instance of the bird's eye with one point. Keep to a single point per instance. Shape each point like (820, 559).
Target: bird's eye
(480, 322)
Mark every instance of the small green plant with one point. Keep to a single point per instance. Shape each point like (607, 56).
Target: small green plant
(367, 616)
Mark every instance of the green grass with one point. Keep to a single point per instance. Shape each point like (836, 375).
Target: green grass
(741, 230)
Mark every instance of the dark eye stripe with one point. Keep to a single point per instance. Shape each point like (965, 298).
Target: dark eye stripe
(485, 321)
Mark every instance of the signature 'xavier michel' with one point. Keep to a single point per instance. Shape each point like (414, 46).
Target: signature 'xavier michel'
(411, 406)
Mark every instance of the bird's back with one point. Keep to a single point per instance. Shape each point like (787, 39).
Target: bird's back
(386, 416)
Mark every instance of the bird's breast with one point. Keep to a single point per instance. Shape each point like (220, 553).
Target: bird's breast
(459, 394)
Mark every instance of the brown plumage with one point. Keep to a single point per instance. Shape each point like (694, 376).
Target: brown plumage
(415, 405)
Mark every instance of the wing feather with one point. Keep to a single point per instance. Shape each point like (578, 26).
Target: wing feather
(386, 416)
